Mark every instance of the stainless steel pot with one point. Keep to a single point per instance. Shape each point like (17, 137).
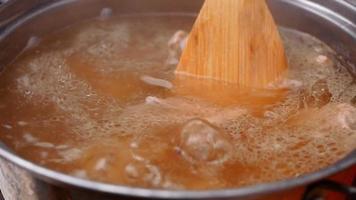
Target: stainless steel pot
(333, 21)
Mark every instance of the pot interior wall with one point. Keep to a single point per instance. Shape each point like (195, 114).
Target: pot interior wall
(45, 19)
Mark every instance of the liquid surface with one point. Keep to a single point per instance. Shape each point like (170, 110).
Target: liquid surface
(100, 101)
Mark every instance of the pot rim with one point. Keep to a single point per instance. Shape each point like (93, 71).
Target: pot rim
(59, 178)
(67, 180)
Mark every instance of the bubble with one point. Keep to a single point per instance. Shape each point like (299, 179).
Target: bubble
(321, 59)
(171, 185)
(131, 171)
(70, 155)
(318, 49)
(286, 84)
(145, 172)
(175, 47)
(32, 42)
(134, 145)
(320, 94)
(152, 100)
(80, 174)
(62, 146)
(347, 117)
(22, 123)
(44, 144)
(270, 114)
(227, 115)
(201, 142)
(44, 154)
(101, 164)
(28, 137)
(105, 13)
(7, 126)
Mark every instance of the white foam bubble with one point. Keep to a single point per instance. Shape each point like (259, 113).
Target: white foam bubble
(157, 82)
(80, 174)
(131, 171)
(105, 13)
(134, 145)
(152, 100)
(62, 146)
(70, 155)
(22, 123)
(321, 59)
(44, 144)
(32, 42)
(175, 47)
(30, 138)
(7, 126)
(286, 84)
(44, 154)
(101, 164)
(144, 171)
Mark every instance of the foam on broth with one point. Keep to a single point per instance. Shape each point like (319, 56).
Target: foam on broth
(100, 101)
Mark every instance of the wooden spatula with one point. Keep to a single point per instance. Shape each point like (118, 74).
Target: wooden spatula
(234, 41)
